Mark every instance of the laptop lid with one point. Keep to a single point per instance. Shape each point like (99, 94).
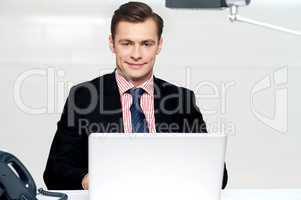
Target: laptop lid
(156, 166)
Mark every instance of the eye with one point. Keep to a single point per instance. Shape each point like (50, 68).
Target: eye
(125, 44)
(147, 44)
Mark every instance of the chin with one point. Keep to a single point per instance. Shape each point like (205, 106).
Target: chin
(139, 76)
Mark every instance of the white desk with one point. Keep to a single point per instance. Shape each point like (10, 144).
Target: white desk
(231, 194)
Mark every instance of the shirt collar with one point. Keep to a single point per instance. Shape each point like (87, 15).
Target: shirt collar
(124, 85)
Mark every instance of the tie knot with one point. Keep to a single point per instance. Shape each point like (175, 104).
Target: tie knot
(136, 92)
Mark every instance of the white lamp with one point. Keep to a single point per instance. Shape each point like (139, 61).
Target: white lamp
(233, 6)
(234, 17)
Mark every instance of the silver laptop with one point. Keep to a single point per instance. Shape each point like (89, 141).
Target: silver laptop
(175, 166)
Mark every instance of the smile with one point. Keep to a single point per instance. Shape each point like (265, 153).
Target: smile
(135, 65)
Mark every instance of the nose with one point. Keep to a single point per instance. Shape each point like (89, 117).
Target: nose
(136, 53)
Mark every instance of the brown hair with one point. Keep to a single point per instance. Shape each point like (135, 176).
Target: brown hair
(135, 12)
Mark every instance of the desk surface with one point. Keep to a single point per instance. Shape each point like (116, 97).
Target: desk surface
(231, 194)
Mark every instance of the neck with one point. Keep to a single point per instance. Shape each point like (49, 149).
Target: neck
(136, 82)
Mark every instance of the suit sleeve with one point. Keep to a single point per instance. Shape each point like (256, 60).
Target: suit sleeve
(67, 162)
(197, 121)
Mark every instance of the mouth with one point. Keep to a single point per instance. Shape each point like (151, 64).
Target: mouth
(135, 65)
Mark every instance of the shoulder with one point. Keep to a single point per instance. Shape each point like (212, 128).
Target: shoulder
(85, 92)
(93, 85)
(169, 88)
(173, 97)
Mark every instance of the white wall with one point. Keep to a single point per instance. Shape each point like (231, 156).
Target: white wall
(65, 42)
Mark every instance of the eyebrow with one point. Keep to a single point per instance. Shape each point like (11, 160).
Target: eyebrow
(143, 41)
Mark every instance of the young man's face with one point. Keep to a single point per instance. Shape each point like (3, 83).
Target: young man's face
(136, 46)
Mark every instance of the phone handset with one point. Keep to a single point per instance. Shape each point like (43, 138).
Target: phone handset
(16, 181)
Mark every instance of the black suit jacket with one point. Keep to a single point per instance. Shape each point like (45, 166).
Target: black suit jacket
(95, 106)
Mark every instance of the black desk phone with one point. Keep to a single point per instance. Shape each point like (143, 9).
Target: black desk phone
(16, 183)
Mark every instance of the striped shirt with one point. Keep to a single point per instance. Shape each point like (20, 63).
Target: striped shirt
(146, 102)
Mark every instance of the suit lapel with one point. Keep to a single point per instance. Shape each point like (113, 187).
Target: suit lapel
(112, 111)
(161, 119)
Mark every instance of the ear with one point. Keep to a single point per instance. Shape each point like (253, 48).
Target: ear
(160, 45)
(111, 44)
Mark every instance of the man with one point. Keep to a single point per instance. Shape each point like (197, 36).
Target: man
(128, 100)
